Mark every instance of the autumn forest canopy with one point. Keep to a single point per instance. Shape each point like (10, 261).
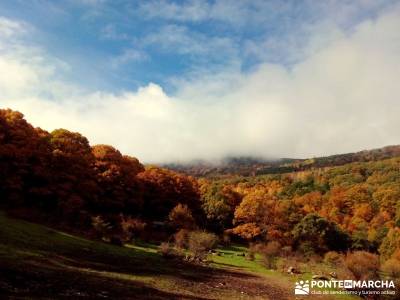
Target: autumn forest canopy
(59, 178)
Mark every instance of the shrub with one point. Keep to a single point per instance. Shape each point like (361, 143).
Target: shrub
(166, 250)
(101, 227)
(315, 259)
(290, 263)
(200, 242)
(392, 267)
(250, 255)
(181, 217)
(333, 258)
(307, 249)
(286, 251)
(270, 253)
(181, 238)
(362, 264)
(226, 238)
(251, 252)
(131, 227)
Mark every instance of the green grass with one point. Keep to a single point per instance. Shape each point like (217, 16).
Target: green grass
(230, 257)
(39, 262)
(40, 258)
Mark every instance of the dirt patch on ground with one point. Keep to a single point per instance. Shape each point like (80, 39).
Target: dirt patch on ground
(41, 279)
(245, 286)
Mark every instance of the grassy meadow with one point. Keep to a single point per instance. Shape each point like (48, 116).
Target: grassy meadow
(41, 263)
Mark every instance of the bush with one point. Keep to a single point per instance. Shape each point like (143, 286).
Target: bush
(362, 264)
(226, 238)
(181, 238)
(286, 251)
(270, 253)
(333, 258)
(307, 249)
(200, 242)
(250, 255)
(315, 259)
(251, 252)
(290, 263)
(181, 217)
(131, 227)
(101, 227)
(167, 251)
(392, 267)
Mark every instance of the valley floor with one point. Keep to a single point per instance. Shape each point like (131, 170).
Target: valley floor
(41, 263)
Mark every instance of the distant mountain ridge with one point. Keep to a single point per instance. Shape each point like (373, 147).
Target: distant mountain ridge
(251, 166)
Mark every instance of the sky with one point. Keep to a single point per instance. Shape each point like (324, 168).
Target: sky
(173, 81)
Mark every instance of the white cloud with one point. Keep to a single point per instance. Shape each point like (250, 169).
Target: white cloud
(257, 12)
(198, 51)
(342, 96)
(129, 56)
(110, 32)
(89, 2)
(178, 39)
(193, 10)
(10, 28)
(198, 48)
(237, 13)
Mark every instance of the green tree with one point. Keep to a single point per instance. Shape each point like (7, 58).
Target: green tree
(323, 235)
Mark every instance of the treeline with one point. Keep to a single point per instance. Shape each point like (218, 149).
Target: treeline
(250, 166)
(60, 177)
(352, 207)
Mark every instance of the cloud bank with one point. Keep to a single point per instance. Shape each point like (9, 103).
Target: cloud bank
(343, 95)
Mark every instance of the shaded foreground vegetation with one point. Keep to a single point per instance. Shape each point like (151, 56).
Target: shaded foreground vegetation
(38, 262)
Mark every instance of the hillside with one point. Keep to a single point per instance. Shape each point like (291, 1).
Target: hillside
(39, 262)
(251, 166)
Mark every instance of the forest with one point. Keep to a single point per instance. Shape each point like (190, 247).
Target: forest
(347, 215)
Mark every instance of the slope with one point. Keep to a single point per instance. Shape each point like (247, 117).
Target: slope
(41, 263)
